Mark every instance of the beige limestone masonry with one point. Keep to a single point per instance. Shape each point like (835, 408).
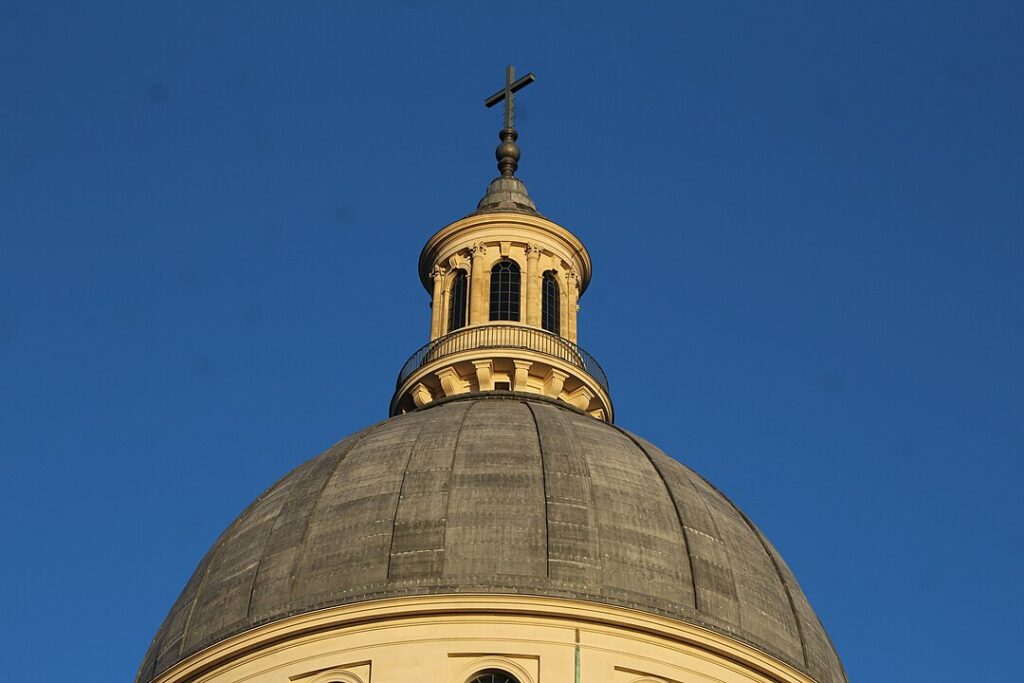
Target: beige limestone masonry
(511, 369)
(451, 638)
(475, 243)
(505, 357)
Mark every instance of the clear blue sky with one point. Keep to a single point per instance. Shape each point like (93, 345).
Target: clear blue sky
(807, 225)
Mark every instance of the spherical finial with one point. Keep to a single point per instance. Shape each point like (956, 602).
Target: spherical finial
(507, 152)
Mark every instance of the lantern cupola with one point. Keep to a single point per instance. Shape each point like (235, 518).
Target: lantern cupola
(505, 284)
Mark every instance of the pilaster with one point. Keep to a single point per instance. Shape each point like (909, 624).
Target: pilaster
(572, 294)
(478, 299)
(520, 355)
(437, 308)
(533, 302)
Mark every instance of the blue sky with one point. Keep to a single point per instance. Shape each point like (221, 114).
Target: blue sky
(807, 225)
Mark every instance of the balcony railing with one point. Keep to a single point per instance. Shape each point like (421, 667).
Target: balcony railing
(504, 337)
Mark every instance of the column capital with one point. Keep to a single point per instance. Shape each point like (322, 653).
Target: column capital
(438, 272)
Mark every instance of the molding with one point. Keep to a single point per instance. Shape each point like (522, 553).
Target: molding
(475, 231)
(279, 636)
(556, 371)
(521, 374)
(460, 261)
(554, 381)
(421, 395)
(346, 673)
(581, 397)
(451, 383)
(484, 368)
(477, 664)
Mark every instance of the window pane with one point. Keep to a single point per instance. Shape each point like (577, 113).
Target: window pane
(457, 302)
(505, 291)
(551, 305)
(494, 677)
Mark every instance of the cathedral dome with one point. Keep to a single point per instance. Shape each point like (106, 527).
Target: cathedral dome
(421, 505)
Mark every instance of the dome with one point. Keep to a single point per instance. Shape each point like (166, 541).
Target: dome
(504, 195)
(508, 494)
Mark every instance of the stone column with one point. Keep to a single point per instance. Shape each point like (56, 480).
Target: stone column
(478, 295)
(572, 298)
(436, 303)
(533, 293)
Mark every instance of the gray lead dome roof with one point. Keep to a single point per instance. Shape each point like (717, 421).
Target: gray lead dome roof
(497, 495)
(504, 195)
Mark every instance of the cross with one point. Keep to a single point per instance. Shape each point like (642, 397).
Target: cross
(508, 94)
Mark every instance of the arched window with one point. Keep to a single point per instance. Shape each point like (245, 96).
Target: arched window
(551, 304)
(493, 676)
(457, 300)
(505, 291)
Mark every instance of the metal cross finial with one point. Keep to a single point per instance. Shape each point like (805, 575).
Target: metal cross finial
(507, 94)
(508, 151)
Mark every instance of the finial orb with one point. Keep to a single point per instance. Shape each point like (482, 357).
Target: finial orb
(507, 153)
(508, 148)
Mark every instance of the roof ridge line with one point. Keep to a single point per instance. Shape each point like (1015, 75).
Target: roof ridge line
(448, 491)
(303, 547)
(544, 486)
(679, 514)
(401, 488)
(778, 572)
(213, 554)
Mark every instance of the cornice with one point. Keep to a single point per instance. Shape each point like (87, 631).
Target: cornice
(286, 633)
(452, 236)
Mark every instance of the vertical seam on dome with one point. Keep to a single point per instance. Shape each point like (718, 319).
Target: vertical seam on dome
(213, 556)
(679, 516)
(775, 565)
(191, 610)
(451, 473)
(263, 552)
(733, 568)
(259, 562)
(214, 552)
(316, 506)
(828, 639)
(401, 488)
(256, 574)
(599, 559)
(544, 483)
(593, 538)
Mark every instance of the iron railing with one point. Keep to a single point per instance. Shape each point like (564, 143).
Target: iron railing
(504, 337)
